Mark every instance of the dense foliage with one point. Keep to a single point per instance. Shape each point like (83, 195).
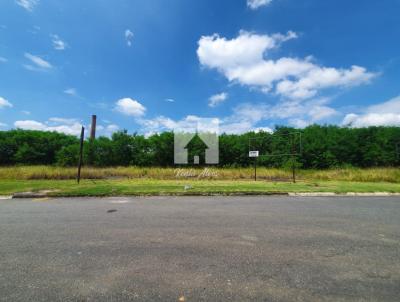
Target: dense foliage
(321, 147)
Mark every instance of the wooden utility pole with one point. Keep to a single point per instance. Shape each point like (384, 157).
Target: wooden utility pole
(93, 128)
(81, 154)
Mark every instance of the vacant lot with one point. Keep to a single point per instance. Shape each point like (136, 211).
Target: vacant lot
(167, 181)
(121, 187)
(200, 248)
(58, 173)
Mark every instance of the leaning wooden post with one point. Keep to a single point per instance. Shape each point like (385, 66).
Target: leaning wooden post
(81, 154)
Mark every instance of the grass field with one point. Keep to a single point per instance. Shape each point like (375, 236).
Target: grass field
(58, 173)
(194, 187)
(159, 181)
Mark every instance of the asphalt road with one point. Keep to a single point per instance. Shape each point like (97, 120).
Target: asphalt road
(200, 249)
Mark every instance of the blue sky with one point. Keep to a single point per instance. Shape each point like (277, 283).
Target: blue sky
(153, 65)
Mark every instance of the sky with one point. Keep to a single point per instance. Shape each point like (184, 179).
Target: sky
(149, 66)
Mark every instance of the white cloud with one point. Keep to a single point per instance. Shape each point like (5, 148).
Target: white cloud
(54, 124)
(251, 117)
(128, 37)
(321, 77)
(29, 5)
(60, 120)
(263, 129)
(58, 44)
(391, 106)
(29, 125)
(244, 118)
(170, 100)
(319, 113)
(244, 60)
(3, 60)
(70, 126)
(2, 125)
(108, 130)
(130, 107)
(248, 117)
(4, 103)
(38, 61)
(384, 114)
(188, 123)
(71, 91)
(217, 99)
(255, 4)
(26, 112)
(299, 123)
(302, 113)
(372, 119)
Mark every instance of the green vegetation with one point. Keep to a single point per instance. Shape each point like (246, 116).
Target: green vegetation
(332, 159)
(267, 174)
(324, 147)
(159, 181)
(190, 187)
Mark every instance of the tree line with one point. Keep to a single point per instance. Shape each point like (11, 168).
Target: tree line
(317, 147)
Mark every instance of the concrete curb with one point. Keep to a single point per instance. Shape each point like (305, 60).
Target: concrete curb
(29, 195)
(349, 194)
(5, 197)
(308, 194)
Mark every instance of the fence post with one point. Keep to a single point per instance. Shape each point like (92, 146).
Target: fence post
(81, 154)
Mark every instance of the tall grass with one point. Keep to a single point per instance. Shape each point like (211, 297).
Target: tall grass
(59, 173)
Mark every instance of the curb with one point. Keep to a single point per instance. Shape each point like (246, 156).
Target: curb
(29, 195)
(308, 194)
(349, 194)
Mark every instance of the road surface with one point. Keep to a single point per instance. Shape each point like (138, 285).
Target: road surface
(200, 249)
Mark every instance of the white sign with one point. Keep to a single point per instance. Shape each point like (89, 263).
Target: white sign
(254, 153)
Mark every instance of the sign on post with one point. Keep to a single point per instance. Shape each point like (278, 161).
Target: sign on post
(254, 153)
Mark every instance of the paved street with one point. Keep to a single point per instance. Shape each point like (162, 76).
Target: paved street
(200, 249)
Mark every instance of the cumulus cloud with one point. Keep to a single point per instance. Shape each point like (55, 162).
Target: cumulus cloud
(253, 117)
(187, 124)
(217, 99)
(29, 5)
(247, 116)
(39, 63)
(384, 114)
(244, 60)
(130, 107)
(244, 118)
(255, 4)
(29, 125)
(4, 103)
(128, 37)
(58, 44)
(71, 127)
